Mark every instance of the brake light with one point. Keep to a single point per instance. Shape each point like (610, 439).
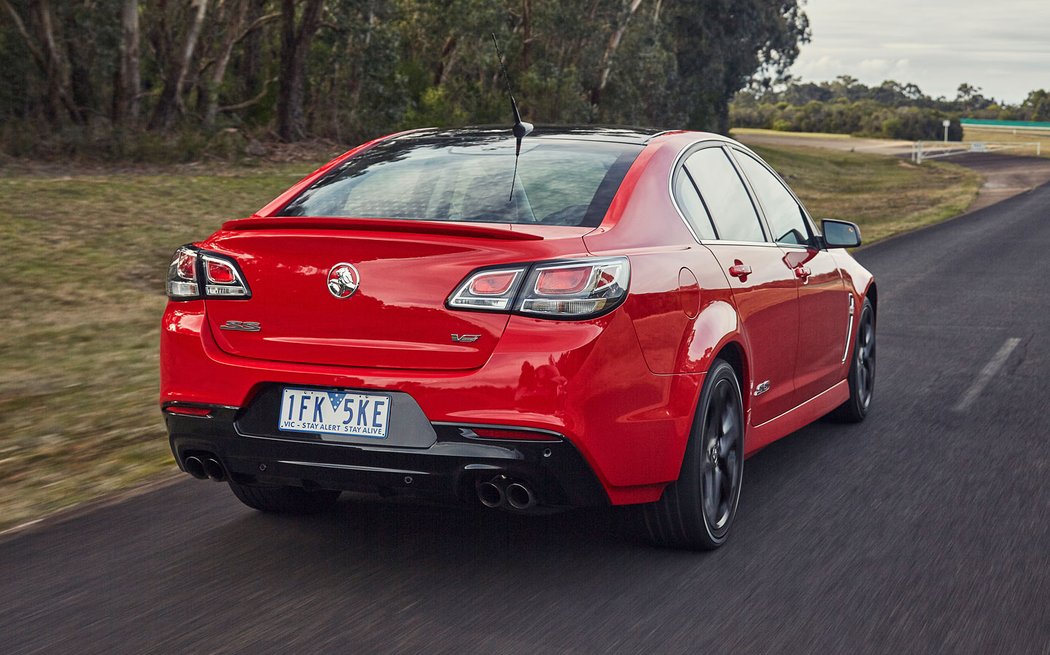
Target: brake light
(491, 289)
(559, 281)
(182, 275)
(576, 289)
(221, 277)
(582, 288)
(220, 272)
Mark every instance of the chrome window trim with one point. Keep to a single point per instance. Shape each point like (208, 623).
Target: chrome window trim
(805, 212)
(717, 142)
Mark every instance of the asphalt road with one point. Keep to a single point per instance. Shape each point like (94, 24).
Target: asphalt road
(924, 530)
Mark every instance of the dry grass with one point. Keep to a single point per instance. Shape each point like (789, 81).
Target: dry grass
(82, 281)
(744, 132)
(972, 134)
(884, 195)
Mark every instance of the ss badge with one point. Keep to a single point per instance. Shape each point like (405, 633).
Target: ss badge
(241, 326)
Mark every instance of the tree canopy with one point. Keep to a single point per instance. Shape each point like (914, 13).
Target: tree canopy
(103, 70)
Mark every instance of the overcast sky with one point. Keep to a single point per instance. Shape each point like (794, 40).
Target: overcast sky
(1002, 46)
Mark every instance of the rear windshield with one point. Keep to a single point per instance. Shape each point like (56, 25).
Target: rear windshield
(471, 178)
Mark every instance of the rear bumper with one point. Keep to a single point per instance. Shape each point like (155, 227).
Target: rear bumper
(587, 381)
(450, 468)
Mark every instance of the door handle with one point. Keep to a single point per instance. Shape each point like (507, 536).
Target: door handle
(740, 269)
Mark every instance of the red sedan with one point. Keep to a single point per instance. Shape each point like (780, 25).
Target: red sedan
(582, 316)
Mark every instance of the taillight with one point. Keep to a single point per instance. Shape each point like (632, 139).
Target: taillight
(582, 288)
(195, 273)
(491, 289)
(182, 275)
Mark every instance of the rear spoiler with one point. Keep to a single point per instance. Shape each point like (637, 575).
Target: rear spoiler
(486, 231)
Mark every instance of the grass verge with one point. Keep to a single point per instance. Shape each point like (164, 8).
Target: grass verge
(884, 195)
(82, 282)
(83, 276)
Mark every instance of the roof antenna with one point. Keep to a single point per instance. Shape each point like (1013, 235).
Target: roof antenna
(521, 129)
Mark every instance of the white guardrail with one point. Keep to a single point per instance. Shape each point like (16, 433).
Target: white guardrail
(923, 150)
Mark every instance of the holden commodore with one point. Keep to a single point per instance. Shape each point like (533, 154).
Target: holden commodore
(583, 316)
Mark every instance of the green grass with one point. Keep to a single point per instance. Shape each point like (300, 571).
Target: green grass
(82, 280)
(884, 195)
(738, 132)
(82, 295)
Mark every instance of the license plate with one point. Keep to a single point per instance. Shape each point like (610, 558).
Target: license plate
(340, 413)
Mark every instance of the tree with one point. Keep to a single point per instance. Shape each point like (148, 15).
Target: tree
(171, 102)
(720, 45)
(296, 37)
(128, 83)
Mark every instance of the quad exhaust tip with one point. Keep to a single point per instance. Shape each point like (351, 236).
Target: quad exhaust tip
(195, 467)
(204, 468)
(519, 496)
(214, 469)
(499, 492)
(491, 494)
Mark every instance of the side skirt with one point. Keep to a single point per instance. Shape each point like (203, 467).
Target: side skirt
(760, 436)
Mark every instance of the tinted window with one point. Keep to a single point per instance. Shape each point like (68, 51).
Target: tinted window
(725, 195)
(457, 177)
(783, 213)
(694, 211)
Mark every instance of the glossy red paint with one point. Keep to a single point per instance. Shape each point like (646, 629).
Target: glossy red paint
(622, 388)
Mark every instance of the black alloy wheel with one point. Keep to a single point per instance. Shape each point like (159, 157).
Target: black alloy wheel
(723, 445)
(861, 377)
(697, 510)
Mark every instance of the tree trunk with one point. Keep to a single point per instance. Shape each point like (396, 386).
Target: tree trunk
(218, 71)
(295, 43)
(128, 81)
(610, 52)
(526, 35)
(171, 101)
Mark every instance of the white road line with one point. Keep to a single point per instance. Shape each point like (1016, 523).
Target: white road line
(987, 373)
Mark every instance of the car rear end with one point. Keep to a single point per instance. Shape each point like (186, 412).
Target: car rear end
(423, 317)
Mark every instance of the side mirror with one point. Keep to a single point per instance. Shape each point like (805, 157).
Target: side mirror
(840, 234)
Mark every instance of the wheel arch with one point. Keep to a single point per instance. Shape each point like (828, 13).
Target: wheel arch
(872, 293)
(734, 354)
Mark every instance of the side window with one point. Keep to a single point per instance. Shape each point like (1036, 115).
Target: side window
(725, 195)
(782, 211)
(689, 201)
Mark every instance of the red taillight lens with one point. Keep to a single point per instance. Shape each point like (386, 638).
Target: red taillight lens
(186, 264)
(493, 290)
(560, 281)
(493, 284)
(220, 272)
(222, 278)
(582, 288)
(182, 275)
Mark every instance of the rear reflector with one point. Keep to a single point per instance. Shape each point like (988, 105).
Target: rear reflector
(184, 410)
(518, 435)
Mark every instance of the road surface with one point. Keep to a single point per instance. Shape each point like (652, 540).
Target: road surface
(924, 530)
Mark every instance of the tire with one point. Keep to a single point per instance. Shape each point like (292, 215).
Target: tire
(697, 511)
(861, 376)
(284, 500)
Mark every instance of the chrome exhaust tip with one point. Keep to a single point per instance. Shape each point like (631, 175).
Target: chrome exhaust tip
(519, 496)
(490, 494)
(195, 467)
(214, 470)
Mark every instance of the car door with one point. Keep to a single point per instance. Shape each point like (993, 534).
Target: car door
(825, 304)
(764, 288)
